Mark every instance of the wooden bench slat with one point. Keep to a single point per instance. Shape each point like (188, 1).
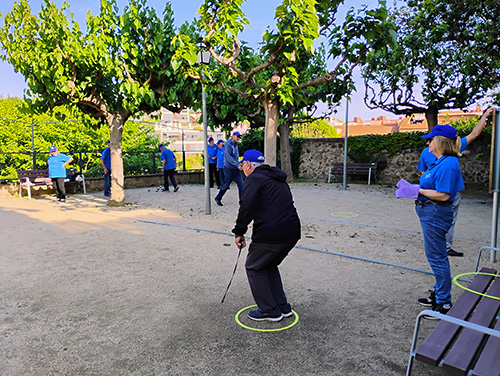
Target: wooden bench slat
(435, 346)
(459, 358)
(488, 363)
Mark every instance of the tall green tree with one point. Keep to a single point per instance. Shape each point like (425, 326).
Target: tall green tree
(276, 79)
(119, 67)
(437, 64)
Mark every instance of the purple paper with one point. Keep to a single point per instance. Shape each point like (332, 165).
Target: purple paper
(408, 191)
(402, 183)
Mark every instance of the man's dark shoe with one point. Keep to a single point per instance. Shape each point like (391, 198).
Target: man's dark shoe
(429, 301)
(217, 201)
(286, 310)
(176, 189)
(258, 315)
(452, 252)
(165, 190)
(440, 308)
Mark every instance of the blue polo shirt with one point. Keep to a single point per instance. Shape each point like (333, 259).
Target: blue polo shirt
(426, 158)
(56, 169)
(212, 152)
(169, 157)
(443, 175)
(106, 157)
(220, 157)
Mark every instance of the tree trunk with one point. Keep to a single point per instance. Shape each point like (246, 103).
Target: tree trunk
(431, 115)
(116, 122)
(285, 150)
(271, 108)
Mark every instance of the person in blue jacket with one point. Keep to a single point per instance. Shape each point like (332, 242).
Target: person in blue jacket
(267, 201)
(57, 171)
(438, 187)
(427, 158)
(220, 161)
(169, 164)
(106, 165)
(212, 163)
(231, 167)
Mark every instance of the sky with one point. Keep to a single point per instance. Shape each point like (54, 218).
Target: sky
(259, 12)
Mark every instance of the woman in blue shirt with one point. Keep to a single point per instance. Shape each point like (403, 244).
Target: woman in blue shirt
(438, 187)
(57, 171)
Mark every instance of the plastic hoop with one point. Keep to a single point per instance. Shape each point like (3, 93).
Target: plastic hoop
(470, 290)
(344, 214)
(236, 318)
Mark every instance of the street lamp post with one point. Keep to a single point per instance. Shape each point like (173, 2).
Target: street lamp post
(204, 58)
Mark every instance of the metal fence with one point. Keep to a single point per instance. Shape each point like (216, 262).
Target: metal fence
(135, 163)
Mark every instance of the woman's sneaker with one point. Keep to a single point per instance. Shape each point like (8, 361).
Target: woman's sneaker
(429, 301)
(258, 315)
(440, 308)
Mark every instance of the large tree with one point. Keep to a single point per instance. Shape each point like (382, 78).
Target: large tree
(435, 64)
(276, 80)
(119, 66)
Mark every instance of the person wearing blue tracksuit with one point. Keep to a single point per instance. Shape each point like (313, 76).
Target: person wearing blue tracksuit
(212, 163)
(438, 187)
(427, 158)
(231, 167)
(220, 160)
(57, 171)
(106, 165)
(169, 164)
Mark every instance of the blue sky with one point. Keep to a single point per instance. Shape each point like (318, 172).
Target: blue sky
(259, 12)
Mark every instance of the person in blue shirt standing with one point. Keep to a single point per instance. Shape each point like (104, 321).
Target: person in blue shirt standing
(169, 164)
(106, 165)
(57, 171)
(231, 167)
(438, 187)
(220, 161)
(427, 158)
(212, 163)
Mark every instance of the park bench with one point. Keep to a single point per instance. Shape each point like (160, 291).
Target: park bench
(29, 178)
(467, 339)
(369, 169)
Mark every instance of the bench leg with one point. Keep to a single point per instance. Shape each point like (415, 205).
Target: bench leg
(369, 175)
(329, 174)
(84, 188)
(413, 349)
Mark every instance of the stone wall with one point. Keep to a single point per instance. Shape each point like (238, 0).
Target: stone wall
(319, 154)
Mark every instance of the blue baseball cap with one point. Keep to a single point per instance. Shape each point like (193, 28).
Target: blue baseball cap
(253, 156)
(52, 148)
(236, 133)
(160, 146)
(445, 130)
(108, 142)
(210, 139)
(220, 142)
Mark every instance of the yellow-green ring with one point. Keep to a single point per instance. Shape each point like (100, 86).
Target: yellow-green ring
(344, 214)
(236, 318)
(475, 292)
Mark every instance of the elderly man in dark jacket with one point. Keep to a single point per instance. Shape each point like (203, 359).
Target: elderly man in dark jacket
(267, 201)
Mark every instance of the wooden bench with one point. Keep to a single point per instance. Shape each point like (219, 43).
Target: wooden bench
(29, 178)
(467, 340)
(369, 169)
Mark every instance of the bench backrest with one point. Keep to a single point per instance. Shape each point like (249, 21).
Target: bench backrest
(353, 168)
(32, 174)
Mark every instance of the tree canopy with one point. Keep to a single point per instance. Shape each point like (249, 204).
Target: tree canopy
(277, 77)
(435, 65)
(118, 67)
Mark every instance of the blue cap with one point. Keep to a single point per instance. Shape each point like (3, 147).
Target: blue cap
(442, 130)
(108, 142)
(160, 146)
(236, 133)
(253, 156)
(220, 142)
(210, 139)
(52, 148)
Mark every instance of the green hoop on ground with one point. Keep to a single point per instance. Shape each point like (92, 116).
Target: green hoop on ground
(475, 292)
(344, 214)
(236, 318)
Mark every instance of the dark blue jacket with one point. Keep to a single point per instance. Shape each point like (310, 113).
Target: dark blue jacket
(266, 200)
